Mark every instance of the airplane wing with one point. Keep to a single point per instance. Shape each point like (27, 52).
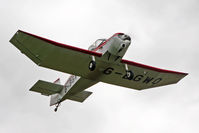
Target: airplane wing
(73, 60)
(54, 55)
(144, 76)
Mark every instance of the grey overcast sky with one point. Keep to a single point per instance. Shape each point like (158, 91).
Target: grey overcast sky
(165, 34)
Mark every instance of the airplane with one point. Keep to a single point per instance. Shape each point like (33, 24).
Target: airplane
(102, 62)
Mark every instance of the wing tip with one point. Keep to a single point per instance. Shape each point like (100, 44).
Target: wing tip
(185, 74)
(152, 68)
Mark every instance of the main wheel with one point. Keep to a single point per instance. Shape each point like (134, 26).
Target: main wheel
(92, 65)
(129, 74)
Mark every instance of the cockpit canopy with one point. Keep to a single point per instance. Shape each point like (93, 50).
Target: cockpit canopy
(96, 44)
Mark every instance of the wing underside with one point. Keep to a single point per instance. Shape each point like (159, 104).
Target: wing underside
(144, 76)
(54, 55)
(73, 60)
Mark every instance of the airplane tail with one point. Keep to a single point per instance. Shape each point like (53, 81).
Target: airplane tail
(49, 89)
(54, 90)
(46, 88)
(80, 97)
(55, 98)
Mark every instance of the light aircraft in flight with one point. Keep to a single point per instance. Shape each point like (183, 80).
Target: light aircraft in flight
(102, 62)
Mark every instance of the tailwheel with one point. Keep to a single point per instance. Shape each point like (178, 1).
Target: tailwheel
(92, 65)
(56, 108)
(129, 74)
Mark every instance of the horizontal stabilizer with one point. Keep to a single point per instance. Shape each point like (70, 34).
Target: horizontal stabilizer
(46, 88)
(81, 96)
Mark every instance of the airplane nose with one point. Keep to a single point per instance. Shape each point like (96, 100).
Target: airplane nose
(124, 37)
(128, 38)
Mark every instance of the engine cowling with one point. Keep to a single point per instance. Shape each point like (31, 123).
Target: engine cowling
(119, 44)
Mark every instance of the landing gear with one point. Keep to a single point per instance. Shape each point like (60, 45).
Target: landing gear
(92, 65)
(129, 74)
(56, 108)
